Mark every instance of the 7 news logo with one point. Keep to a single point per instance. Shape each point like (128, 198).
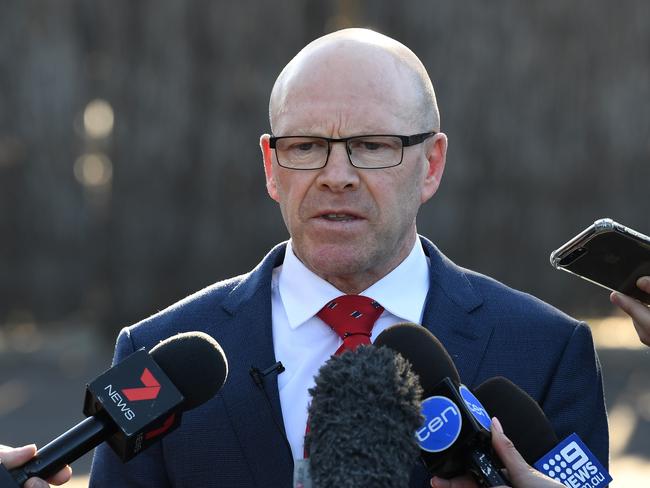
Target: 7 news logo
(149, 391)
(574, 465)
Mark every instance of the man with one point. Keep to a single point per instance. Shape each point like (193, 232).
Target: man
(356, 149)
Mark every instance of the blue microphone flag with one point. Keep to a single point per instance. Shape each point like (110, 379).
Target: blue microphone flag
(574, 465)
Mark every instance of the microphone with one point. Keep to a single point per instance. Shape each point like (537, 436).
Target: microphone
(259, 375)
(570, 462)
(522, 419)
(455, 436)
(365, 407)
(134, 403)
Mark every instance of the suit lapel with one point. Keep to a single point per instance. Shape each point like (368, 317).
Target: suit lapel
(255, 411)
(451, 314)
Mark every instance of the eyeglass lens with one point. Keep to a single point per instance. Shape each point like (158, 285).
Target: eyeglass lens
(364, 152)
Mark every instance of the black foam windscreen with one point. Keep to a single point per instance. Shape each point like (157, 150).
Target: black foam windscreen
(195, 363)
(523, 420)
(364, 411)
(429, 358)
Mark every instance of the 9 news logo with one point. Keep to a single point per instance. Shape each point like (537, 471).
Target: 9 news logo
(574, 465)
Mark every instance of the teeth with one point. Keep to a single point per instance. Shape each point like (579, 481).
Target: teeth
(338, 217)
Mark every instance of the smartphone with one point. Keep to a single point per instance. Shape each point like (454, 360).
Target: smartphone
(607, 254)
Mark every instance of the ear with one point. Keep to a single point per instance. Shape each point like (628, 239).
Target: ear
(267, 156)
(436, 154)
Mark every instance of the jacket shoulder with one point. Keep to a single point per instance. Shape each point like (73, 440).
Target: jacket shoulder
(194, 312)
(521, 311)
(206, 309)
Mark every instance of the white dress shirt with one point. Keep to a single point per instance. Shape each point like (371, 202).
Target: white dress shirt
(303, 342)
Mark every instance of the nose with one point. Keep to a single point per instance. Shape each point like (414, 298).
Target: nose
(338, 174)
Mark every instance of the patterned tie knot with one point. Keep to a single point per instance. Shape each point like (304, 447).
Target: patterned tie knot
(352, 318)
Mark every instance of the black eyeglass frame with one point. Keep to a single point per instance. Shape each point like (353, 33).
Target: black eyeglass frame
(407, 141)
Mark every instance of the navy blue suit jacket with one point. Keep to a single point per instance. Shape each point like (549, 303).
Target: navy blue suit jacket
(237, 438)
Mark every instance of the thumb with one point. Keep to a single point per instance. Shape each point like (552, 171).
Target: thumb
(519, 471)
(505, 449)
(36, 483)
(12, 457)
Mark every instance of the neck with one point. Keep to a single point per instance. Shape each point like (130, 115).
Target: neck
(358, 281)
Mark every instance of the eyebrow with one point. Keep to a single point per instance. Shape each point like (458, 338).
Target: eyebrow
(315, 131)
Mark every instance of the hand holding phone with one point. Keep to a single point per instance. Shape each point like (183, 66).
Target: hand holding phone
(638, 312)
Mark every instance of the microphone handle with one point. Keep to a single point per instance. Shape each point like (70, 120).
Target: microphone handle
(485, 470)
(66, 448)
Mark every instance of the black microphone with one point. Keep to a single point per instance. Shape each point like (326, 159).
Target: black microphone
(135, 403)
(522, 419)
(259, 375)
(365, 407)
(455, 436)
(570, 461)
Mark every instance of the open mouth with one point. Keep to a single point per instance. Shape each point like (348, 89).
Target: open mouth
(338, 217)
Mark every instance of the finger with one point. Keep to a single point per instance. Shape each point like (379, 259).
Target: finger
(35, 483)
(644, 283)
(643, 328)
(519, 471)
(630, 306)
(440, 483)
(505, 449)
(639, 313)
(61, 477)
(12, 457)
(622, 301)
(458, 482)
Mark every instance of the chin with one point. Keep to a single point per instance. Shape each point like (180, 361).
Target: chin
(337, 260)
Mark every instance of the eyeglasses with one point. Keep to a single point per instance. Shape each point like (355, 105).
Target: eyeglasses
(366, 152)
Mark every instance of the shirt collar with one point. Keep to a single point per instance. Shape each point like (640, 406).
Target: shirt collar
(401, 292)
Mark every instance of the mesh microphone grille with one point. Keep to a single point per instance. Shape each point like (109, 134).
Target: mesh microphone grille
(195, 363)
(364, 412)
(522, 419)
(429, 358)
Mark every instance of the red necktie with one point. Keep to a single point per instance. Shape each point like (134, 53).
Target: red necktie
(352, 318)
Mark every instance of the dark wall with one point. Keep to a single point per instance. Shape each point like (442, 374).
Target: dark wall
(545, 105)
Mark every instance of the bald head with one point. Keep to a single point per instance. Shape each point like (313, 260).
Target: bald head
(358, 64)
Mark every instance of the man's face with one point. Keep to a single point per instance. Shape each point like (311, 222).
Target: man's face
(352, 226)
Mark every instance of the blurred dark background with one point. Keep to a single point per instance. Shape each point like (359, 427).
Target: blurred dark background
(130, 174)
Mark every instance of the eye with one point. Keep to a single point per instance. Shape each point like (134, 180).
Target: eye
(365, 145)
(372, 145)
(303, 146)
